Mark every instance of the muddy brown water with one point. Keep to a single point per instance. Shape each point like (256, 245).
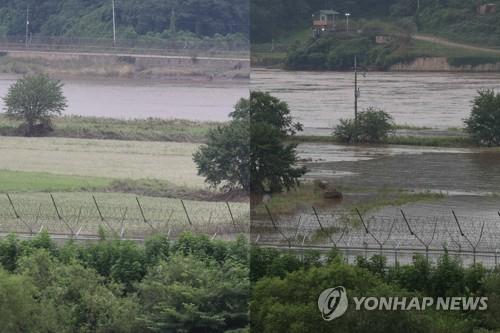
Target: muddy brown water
(457, 171)
(320, 99)
(128, 99)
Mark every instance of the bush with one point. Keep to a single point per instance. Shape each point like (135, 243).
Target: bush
(372, 125)
(483, 123)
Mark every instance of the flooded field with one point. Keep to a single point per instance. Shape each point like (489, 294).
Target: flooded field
(320, 99)
(455, 171)
(142, 99)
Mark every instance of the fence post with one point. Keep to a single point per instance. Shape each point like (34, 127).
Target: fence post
(12, 205)
(60, 217)
(232, 217)
(142, 213)
(276, 227)
(185, 211)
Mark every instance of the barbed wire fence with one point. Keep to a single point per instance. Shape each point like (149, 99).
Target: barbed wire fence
(135, 221)
(155, 46)
(472, 239)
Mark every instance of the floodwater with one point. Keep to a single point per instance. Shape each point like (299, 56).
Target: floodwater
(127, 99)
(319, 99)
(454, 171)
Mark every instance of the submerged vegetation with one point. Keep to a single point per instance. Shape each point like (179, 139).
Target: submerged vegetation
(365, 200)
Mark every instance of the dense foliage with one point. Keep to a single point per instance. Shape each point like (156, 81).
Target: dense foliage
(372, 125)
(190, 285)
(253, 143)
(337, 53)
(457, 19)
(225, 160)
(272, 159)
(35, 100)
(285, 292)
(483, 123)
(277, 18)
(93, 18)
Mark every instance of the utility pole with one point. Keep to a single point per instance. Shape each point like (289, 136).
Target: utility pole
(356, 89)
(27, 25)
(114, 23)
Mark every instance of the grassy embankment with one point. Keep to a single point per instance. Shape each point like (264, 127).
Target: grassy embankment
(431, 141)
(125, 67)
(152, 129)
(379, 57)
(364, 199)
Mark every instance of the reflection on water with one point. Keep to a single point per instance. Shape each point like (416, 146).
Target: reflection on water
(142, 99)
(320, 99)
(462, 170)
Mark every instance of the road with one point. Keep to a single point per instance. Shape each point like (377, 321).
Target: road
(445, 42)
(135, 55)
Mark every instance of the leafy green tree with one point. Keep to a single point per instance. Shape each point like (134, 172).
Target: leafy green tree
(35, 100)
(18, 308)
(10, 251)
(187, 294)
(483, 123)
(224, 161)
(372, 125)
(123, 261)
(272, 159)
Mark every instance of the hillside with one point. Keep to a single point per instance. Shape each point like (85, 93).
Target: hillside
(152, 18)
(454, 30)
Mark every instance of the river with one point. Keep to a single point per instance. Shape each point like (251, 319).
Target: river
(127, 99)
(319, 99)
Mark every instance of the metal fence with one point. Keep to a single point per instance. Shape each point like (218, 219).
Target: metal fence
(132, 221)
(155, 46)
(472, 239)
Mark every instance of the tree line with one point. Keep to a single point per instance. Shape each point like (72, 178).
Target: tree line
(93, 18)
(457, 19)
(191, 285)
(285, 292)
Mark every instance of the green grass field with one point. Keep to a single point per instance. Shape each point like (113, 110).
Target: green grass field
(168, 161)
(20, 181)
(152, 129)
(116, 172)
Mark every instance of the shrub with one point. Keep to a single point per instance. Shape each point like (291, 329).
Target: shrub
(372, 125)
(483, 123)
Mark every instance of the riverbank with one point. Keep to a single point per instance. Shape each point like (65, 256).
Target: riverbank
(124, 66)
(378, 47)
(426, 141)
(150, 129)
(364, 200)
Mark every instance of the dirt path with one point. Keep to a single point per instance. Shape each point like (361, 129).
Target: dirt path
(445, 42)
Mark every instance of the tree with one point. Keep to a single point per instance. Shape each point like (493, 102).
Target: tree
(272, 159)
(187, 294)
(483, 123)
(372, 125)
(224, 161)
(35, 100)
